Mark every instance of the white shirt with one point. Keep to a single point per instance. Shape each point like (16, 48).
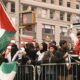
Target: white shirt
(40, 55)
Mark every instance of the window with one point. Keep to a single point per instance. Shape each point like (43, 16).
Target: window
(33, 8)
(60, 2)
(43, 0)
(63, 34)
(63, 31)
(28, 30)
(68, 17)
(77, 6)
(25, 7)
(13, 7)
(47, 29)
(48, 32)
(61, 15)
(68, 4)
(77, 18)
(52, 1)
(52, 13)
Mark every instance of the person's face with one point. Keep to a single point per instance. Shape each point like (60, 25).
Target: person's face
(78, 37)
(52, 49)
(34, 44)
(41, 46)
(65, 45)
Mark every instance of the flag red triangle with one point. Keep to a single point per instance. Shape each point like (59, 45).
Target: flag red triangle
(5, 21)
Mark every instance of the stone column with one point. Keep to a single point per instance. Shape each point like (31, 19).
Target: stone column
(57, 34)
(65, 16)
(64, 3)
(8, 7)
(39, 32)
(56, 15)
(57, 2)
(48, 14)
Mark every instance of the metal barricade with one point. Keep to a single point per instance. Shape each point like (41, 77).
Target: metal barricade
(26, 72)
(55, 71)
(69, 71)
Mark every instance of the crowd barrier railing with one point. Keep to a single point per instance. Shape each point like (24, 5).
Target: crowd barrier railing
(51, 71)
(26, 72)
(60, 71)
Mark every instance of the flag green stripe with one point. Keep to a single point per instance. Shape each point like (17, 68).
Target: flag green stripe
(5, 40)
(7, 68)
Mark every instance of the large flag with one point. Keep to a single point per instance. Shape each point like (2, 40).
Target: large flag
(8, 71)
(7, 29)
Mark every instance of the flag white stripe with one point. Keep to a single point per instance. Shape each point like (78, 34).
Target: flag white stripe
(9, 76)
(2, 31)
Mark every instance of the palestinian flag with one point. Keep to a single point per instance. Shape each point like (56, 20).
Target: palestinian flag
(7, 29)
(8, 71)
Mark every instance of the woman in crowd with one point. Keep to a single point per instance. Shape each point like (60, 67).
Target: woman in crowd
(41, 52)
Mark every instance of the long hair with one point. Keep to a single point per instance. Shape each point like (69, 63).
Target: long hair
(14, 49)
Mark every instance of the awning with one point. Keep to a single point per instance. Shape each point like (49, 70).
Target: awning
(23, 41)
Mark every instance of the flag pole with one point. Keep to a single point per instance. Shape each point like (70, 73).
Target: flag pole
(17, 9)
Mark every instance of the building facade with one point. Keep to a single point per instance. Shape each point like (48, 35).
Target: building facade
(53, 17)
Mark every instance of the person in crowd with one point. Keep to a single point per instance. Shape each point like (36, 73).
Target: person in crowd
(4, 56)
(53, 42)
(36, 46)
(19, 54)
(7, 54)
(31, 52)
(61, 55)
(49, 57)
(41, 52)
(10, 53)
(24, 60)
(14, 49)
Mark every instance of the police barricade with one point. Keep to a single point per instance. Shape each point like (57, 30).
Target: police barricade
(26, 72)
(63, 71)
(51, 71)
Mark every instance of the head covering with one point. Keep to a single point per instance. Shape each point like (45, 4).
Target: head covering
(44, 47)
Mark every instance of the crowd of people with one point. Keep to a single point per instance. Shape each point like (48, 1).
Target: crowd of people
(36, 54)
